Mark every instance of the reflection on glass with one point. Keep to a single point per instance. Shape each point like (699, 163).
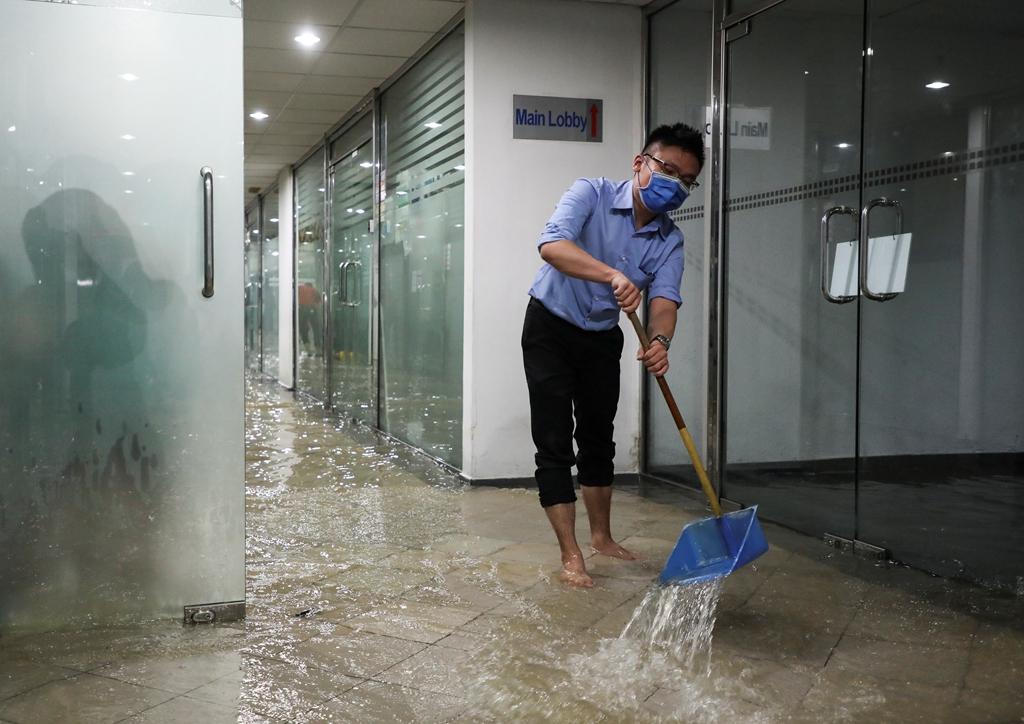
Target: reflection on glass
(269, 285)
(309, 275)
(352, 269)
(421, 254)
(681, 38)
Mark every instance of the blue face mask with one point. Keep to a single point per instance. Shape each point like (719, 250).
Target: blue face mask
(663, 193)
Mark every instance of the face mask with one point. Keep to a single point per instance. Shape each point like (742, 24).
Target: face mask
(663, 193)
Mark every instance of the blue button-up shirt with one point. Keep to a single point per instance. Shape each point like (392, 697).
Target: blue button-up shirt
(597, 215)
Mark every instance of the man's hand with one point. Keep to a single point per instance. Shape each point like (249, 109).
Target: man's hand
(655, 358)
(626, 293)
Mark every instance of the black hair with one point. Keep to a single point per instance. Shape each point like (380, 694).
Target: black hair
(681, 136)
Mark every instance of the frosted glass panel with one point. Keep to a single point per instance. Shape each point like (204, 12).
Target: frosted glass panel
(310, 275)
(270, 289)
(422, 254)
(121, 478)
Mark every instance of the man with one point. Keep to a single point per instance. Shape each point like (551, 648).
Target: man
(605, 243)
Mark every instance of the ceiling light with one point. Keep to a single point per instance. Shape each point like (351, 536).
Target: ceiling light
(420, 236)
(432, 124)
(321, 189)
(360, 211)
(127, 173)
(127, 137)
(844, 144)
(129, 191)
(937, 85)
(947, 153)
(258, 115)
(12, 129)
(307, 39)
(128, 77)
(402, 193)
(365, 164)
(273, 220)
(460, 167)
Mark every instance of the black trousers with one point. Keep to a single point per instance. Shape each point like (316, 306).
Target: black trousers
(570, 371)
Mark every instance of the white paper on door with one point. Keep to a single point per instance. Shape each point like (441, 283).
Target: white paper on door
(887, 266)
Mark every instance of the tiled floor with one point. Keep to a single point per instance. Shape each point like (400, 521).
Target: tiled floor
(432, 601)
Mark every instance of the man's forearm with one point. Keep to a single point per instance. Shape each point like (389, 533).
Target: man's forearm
(662, 318)
(572, 261)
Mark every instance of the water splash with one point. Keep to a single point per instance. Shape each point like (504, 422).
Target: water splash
(679, 620)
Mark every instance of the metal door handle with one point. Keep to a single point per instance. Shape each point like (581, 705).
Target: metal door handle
(826, 218)
(343, 296)
(206, 173)
(356, 264)
(863, 251)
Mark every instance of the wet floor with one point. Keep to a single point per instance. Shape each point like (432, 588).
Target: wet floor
(381, 588)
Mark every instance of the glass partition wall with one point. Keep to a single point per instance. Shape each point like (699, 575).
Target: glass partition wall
(270, 282)
(421, 253)
(379, 260)
(253, 287)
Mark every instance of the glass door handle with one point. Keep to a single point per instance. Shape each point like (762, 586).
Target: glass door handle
(355, 264)
(206, 173)
(863, 251)
(826, 219)
(343, 296)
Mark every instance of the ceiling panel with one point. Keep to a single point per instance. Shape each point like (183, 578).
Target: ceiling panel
(272, 81)
(279, 61)
(338, 85)
(313, 12)
(323, 101)
(378, 42)
(265, 34)
(353, 64)
(423, 15)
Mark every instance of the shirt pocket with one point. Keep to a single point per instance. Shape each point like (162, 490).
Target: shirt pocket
(636, 272)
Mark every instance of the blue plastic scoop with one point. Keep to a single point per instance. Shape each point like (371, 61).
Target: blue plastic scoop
(712, 547)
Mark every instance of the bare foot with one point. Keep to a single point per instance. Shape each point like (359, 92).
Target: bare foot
(574, 572)
(611, 548)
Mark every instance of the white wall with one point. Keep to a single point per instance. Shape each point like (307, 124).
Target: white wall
(534, 47)
(286, 279)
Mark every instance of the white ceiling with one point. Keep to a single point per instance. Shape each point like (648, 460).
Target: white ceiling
(306, 91)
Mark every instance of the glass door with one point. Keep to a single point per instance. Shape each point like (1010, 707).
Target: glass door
(353, 246)
(791, 193)
(941, 423)
(121, 392)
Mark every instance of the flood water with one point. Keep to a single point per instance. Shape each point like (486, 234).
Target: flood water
(382, 588)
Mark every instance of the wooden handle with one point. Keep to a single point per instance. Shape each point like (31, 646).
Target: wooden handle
(677, 417)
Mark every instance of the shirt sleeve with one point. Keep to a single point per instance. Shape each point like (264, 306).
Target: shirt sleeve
(669, 276)
(571, 213)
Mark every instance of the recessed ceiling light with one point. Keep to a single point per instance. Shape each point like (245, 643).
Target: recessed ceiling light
(360, 211)
(12, 129)
(460, 167)
(844, 144)
(321, 189)
(947, 153)
(129, 191)
(365, 164)
(128, 77)
(307, 39)
(273, 220)
(127, 137)
(421, 236)
(258, 115)
(937, 85)
(127, 173)
(432, 124)
(402, 193)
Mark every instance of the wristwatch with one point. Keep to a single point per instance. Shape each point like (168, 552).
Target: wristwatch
(663, 339)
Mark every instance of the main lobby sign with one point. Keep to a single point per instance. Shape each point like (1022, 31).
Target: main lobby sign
(548, 118)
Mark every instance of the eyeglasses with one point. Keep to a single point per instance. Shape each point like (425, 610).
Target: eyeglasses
(670, 170)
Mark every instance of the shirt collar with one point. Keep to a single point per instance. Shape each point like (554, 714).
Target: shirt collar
(623, 201)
